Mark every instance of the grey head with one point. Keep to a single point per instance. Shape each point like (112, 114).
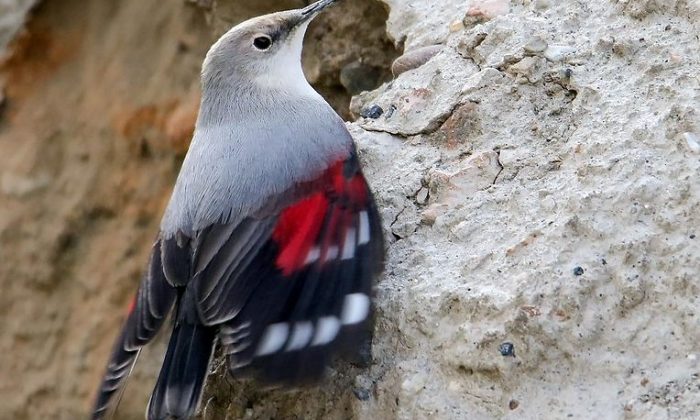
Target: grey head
(261, 55)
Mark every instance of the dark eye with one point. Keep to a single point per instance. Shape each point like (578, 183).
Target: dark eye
(262, 42)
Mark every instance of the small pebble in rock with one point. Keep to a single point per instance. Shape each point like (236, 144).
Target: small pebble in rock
(414, 59)
(456, 26)
(513, 404)
(372, 112)
(422, 196)
(541, 4)
(604, 261)
(361, 394)
(535, 45)
(507, 349)
(558, 52)
(693, 143)
(578, 271)
(692, 236)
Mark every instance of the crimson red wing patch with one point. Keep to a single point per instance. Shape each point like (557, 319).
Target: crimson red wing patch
(297, 231)
(314, 280)
(340, 210)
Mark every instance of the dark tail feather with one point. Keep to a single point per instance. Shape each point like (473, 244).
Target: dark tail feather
(118, 370)
(179, 387)
(147, 314)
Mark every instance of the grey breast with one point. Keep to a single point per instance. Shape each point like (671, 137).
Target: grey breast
(233, 168)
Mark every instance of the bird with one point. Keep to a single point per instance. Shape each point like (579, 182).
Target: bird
(271, 243)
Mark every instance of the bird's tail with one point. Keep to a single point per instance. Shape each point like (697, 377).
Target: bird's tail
(179, 386)
(147, 313)
(118, 370)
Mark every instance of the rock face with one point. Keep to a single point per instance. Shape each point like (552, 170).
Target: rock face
(538, 179)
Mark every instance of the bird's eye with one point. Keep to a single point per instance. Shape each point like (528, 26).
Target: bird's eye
(262, 42)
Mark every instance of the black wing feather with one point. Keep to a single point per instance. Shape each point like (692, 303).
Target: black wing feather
(153, 302)
(218, 288)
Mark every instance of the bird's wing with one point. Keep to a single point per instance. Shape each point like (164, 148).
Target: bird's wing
(148, 310)
(290, 287)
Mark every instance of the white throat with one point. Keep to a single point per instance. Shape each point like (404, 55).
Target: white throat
(284, 73)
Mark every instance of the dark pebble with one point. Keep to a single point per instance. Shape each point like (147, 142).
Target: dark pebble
(604, 261)
(373, 112)
(507, 349)
(361, 394)
(692, 236)
(578, 271)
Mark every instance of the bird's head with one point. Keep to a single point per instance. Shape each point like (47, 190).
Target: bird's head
(264, 52)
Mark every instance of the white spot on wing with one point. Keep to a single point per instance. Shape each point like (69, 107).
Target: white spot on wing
(364, 228)
(332, 253)
(313, 255)
(273, 339)
(301, 334)
(355, 308)
(326, 330)
(349, 245)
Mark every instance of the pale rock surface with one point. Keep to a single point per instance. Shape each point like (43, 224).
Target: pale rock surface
(580, 250)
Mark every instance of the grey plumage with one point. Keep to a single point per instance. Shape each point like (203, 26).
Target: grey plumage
(232, 169)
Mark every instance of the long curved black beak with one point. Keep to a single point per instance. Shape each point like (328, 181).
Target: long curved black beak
(310, 11)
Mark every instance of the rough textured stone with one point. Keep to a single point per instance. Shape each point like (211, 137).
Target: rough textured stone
(414, 59)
